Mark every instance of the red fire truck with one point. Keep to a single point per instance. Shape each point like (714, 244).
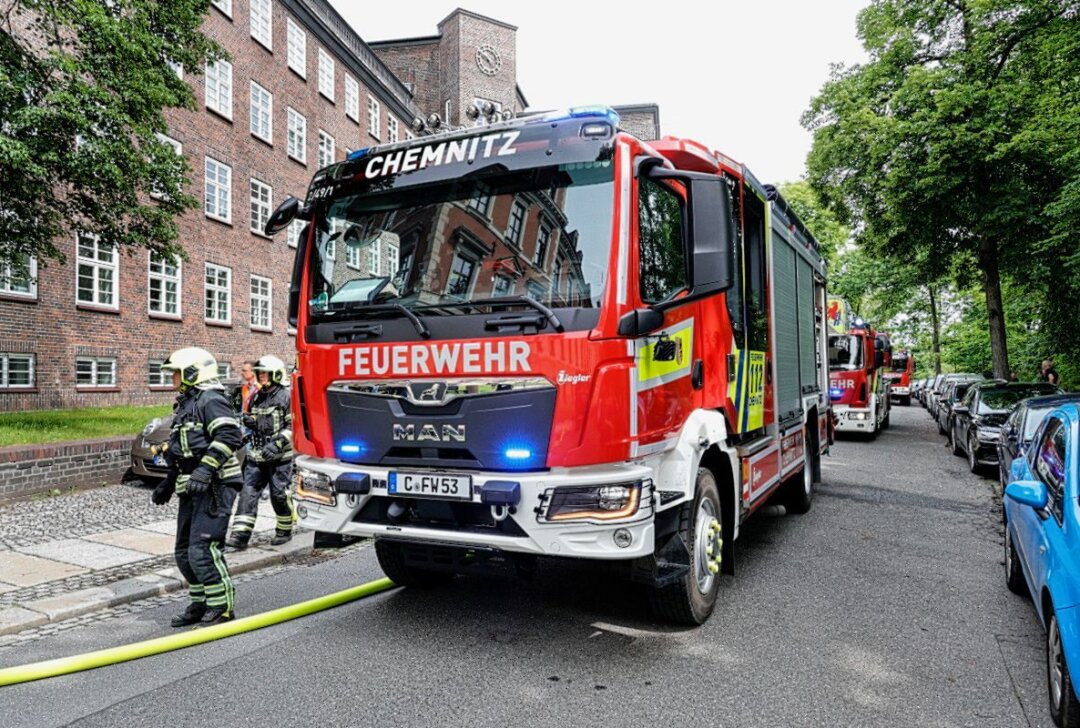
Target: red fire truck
(899, 376)
(858, 359)
(545, 337)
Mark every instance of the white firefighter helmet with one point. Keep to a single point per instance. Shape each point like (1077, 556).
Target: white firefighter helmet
(195, 365)
(272, 365)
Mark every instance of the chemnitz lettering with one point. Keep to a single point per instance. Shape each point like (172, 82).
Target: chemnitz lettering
(488, 357)
(446, 152)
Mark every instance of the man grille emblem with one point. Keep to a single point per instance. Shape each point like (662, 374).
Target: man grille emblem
(427, 394)
(431, 393)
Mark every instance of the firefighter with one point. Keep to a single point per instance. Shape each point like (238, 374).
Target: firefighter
(205, 473)
(269, 460)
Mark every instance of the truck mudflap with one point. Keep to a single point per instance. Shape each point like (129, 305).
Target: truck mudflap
(341, 498)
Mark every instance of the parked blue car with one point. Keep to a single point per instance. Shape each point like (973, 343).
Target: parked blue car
(1042, 548)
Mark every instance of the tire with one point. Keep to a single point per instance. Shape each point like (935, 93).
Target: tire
(954, 444)
(886, 422)
(973, 460)
(940, 428)
(391, 557)
(799, 492)
(905, 401)
(1064, 706)
(691, 599)
(1014, 574)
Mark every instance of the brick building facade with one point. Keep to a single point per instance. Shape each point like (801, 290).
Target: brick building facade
(301, 89)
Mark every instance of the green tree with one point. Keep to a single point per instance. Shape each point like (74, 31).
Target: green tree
(83, 86)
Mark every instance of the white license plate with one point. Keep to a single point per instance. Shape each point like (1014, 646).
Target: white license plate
(430, 485)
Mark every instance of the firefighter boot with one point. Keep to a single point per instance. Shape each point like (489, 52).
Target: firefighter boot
(192, 615)
(237, 541)
(217, 615)
(281, 537)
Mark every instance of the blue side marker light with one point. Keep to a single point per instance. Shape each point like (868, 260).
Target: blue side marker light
(351, 449)
(516, 453)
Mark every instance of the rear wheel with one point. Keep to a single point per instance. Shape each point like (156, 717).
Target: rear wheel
(1014, 577)
(799, 492)
(1064, 706)
(392, 559)
(691, 599)
(906, 401)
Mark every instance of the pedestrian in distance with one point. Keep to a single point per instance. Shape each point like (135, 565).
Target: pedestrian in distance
(1047, 373)
(204, 472)
(1013, 376)
(250, 386)
(269, 459)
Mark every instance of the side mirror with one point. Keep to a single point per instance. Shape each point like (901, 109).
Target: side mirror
(712, 235)
(960, 410)
(282, 216)
(1028, 493)
(640, 322)
(879, 357)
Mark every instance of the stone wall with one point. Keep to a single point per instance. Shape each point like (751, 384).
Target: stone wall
(27, 469)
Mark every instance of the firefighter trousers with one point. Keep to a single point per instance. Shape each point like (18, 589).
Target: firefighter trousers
(200, 532)
(257, 476)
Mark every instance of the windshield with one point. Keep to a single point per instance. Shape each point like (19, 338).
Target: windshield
(1032, 421)
(1002, 400)
(899, 363)
(845, 352)
(543, 233)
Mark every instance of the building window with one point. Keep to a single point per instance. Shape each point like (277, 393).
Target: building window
(352, 98)
(482, 201)
(16, 371)
(164, 289)
(262, 113)
(535, 290)
(261, 304)
(218, 288)
(352, 256)
(391, 129)
(393, 260)
(375, 257)
(94, 373)
(178, 148)
(542, 240)
(177, 68)
(373, 111)
(261, 200)
(224, 370)
(326, 149)
(326, 74)
(155, 377)
(297, 41)
(224, 6)
(461, 275)
(292, 235)
(217, 202)
(517, 224)
(503, 286)
(297, 136)
(98, 265)
(19, 277)
(262, 22)
(219, 88)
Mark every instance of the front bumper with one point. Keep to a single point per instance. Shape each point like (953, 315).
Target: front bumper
(524, 530)
(143, 460)
(854, 419)
(900, 391)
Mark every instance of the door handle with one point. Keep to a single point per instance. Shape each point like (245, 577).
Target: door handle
(1042, 549)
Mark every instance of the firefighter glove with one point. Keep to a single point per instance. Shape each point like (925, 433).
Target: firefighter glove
(200, 480)
(271, 449)
(248, 419)
(161, 494)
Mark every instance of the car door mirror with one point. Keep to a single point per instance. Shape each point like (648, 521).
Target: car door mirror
(1028, 493)
(960, 409)
(283, 215)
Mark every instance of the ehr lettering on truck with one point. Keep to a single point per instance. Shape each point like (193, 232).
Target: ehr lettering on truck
(545, 337)
(858, 360)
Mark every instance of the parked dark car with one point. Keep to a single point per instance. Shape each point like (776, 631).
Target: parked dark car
(147, 462)
(951, 395)
(1019, 428)
(939, 389)
(977, 420)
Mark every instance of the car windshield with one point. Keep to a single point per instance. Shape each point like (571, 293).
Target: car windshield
(1033, 419)
(845, 352)
(544, 233)
(1002, 400)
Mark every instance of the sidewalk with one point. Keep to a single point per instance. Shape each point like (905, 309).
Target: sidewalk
(65, 556)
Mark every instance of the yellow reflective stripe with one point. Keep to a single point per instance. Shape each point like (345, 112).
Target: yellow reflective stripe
(181, 483)
(210, 460)
(216, 423)
(222, 448)
(223, 571)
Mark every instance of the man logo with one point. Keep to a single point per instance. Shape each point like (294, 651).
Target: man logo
(430, 394)
(429, 433)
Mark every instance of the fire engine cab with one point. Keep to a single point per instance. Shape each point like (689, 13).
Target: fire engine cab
(901, 372)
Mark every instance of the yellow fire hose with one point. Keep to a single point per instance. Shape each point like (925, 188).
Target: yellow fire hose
(159, 645)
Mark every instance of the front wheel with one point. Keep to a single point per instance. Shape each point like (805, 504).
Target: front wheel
(1064, 705)
(391, 556)
(953, 444)
(973, 455)
(691, 599)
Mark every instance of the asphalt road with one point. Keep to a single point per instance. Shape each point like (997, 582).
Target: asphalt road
(885, 605)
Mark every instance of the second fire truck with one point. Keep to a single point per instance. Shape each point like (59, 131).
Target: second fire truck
(858, 360)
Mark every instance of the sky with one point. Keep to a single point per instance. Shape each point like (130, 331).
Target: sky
(735, 76)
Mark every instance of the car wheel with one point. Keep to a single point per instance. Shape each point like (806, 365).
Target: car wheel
(799, 492)
(392, 560)
(906, 401)
(691, 599)
(1064, 705)
(953, 443)
(1014, 576)
(940, 427)
(972, 453)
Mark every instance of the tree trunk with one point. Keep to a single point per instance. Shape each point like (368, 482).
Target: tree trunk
(995, 309)
(935, 327)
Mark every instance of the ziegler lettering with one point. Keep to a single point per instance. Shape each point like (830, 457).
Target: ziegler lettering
(488, 357)
(428, 433)
(448, 152)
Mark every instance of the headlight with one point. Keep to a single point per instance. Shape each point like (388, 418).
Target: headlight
(151, 427)
(313, 486)
(858, 415)
(986, 434)
(597, 503)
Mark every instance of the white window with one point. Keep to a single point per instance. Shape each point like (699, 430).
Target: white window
(16, 371)
(373, 111)
(217, 202)
(177, 68)
(261, 304)
(224, 6)
(98, 265)
(224, 370)
(393, 260)
(375, 257)
(262, 113)
(352, 256)
(326, 149)
(391, 129)
(297, 136)
(503, 286)
(19, 277)
(92, 372)
(164, 289)
(326, 74)
(352, 98)
(219, 88)
(292, 235)
(262, 22)
(155, 377)
(218, 298)
(261, 199)
(297, 40)
(178, 148)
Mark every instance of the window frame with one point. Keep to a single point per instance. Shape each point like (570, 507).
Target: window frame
(669, 189)
(514, 236)
(1056, 489)
(227, 218)
(332, 153)
(96, 263)
(374, 124)
(224, 6)
(211, 103)
(392, 136)
(5, 371)
(153, 367)
(268, 42)
(208, 287)
(326, 66)
(164, 278)
(178, 148)
(296, 47)
(7, 278)
(268, 298)
(298, 225)
(375, 253)
(269, 111)
(543, 244)
(95, 363)
(352, 98)
(292, 113)
(259, 229)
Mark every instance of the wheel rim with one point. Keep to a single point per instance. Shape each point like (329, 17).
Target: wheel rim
(971, 454)
(808, 477)
(1054, 657)
(1008, 553)
(708, 541)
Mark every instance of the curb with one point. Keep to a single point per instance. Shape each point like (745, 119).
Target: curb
(40, 612)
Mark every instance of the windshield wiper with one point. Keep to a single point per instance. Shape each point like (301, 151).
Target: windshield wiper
(361, 307)
(529, 301)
